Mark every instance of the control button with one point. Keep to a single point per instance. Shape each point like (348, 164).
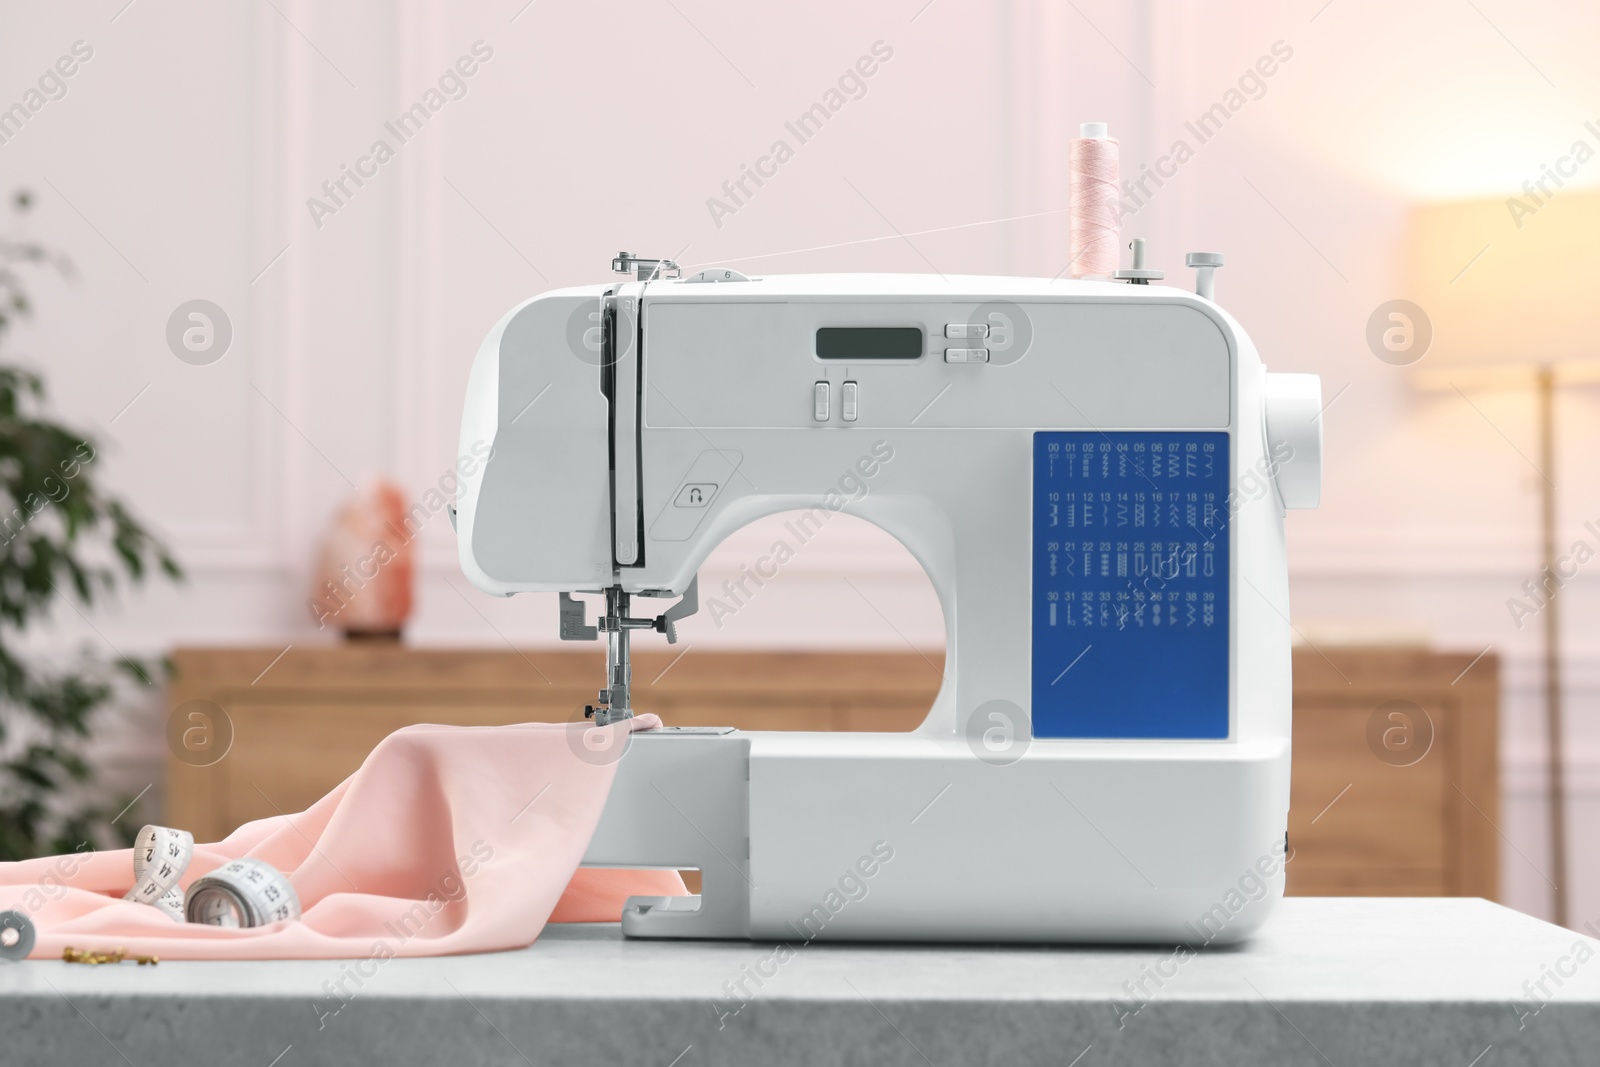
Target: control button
(819, 398)
(966, 355)
(966, 329)
(847, 401)
(695, 495)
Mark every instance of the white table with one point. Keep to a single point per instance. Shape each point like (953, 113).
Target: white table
(1328, 981)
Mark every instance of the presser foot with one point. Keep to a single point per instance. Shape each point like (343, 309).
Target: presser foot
(615, 703)
(605, 716)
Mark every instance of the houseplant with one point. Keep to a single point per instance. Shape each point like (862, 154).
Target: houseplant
(63, 539)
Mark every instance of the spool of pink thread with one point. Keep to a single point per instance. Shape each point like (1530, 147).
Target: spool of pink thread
(1092, 165)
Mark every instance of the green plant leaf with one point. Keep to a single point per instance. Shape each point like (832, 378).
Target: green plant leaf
(62, 537)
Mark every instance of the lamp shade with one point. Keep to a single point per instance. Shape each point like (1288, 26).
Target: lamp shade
(1509, 280)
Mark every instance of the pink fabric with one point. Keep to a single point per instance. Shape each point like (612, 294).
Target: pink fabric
(449, 839)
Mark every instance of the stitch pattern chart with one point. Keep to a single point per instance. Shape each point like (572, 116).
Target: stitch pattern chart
(1130, 585)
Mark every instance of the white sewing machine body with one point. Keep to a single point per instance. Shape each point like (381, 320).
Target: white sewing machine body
(1097, 506)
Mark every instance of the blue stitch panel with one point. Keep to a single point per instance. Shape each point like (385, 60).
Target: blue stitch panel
(1130, 585)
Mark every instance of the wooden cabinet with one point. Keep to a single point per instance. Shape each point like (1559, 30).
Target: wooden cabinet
(1395, 788)
(296, 723)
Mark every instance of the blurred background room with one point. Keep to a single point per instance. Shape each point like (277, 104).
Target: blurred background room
(260, 243)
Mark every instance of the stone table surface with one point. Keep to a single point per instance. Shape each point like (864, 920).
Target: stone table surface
(1326, 982)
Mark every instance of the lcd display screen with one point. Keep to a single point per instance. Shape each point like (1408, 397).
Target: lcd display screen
(862, 344)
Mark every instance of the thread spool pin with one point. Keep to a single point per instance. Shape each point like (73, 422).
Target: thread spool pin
(1138, 274)
(1205, 265)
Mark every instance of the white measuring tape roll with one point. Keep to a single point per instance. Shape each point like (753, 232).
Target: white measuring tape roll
(160, 856)
(245, 892)
(242, 893)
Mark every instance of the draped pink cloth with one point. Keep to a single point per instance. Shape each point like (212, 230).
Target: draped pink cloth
(448, 839)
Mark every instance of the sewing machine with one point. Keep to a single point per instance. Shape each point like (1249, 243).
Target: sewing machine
(1094, 475)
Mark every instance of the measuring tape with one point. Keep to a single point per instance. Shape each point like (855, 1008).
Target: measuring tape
(245, 892)
(160, 856)
(242, 893)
